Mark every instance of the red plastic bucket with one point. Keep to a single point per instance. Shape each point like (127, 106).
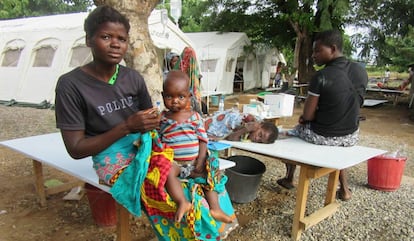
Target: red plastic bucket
(385, 173)
(103, 206)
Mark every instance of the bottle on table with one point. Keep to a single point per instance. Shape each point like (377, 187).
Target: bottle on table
(221, 103)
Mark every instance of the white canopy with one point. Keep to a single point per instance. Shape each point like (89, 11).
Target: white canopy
(219, 55)
(36, 51)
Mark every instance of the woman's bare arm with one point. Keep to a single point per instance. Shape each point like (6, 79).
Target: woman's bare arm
(80, 146)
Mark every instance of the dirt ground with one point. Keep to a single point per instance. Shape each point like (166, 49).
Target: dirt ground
(21, 217)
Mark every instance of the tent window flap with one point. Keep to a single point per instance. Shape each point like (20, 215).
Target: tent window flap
(80, 56)
(208, 65)
(11, 57)
(44, 56)
(229, 65)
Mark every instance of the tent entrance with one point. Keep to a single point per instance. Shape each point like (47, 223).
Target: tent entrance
(238, 81)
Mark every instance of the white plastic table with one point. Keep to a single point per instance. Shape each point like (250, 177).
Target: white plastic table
(315, 161)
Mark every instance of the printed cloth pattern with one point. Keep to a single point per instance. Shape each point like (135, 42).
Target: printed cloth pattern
(306, 133)
(115, 158)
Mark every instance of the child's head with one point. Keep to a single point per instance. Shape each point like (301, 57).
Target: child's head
(267, 133)
(176, 92)
(171, 60)
(327, 46)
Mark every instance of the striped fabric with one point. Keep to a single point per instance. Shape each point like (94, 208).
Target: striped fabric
(183, 137)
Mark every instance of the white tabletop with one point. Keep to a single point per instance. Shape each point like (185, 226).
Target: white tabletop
(372, 102)
(299, 85)
(211, 92)
(297, 150)
(273, 88)
(386, 91)
(49, 149)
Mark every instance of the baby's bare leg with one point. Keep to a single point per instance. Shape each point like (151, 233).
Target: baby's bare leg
(215, 210)
(175, 190)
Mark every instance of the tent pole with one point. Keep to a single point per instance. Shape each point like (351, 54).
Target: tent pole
(208, 87)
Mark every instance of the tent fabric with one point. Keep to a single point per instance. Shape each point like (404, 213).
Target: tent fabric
(24, 83)
(219, 55)
(268, 59)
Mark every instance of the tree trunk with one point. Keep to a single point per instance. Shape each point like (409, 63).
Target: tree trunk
(141, 55)
(303, 52)
(305, 68)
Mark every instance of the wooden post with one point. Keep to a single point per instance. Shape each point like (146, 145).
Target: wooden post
(123, 223)
(39, 182)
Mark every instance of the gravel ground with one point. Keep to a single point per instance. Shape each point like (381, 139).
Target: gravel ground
(369, 215)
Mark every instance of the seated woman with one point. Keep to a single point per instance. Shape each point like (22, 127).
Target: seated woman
(92, 124)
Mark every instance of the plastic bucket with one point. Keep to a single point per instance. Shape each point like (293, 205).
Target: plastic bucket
(385, 173)
(214, 100)
(103, 206)
(244, 178)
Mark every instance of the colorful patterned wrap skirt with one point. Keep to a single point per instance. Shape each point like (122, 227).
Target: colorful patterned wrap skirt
(140, 187)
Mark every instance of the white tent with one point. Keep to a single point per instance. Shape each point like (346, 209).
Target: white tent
(268, 59)
(36, 51)
(219, 55)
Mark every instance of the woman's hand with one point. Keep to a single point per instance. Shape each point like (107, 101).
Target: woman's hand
(143, 121)
(301, 120)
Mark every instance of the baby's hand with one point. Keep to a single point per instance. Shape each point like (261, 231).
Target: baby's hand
(198, 169)
(197, 172)
(251, 126)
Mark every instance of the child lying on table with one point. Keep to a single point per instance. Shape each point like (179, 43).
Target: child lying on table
(235, 126)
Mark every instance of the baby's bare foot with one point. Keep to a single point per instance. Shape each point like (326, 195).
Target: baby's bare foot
(181, 210)
(219, 215)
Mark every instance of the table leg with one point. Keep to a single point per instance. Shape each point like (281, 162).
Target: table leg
(39, 182)
(331, 188)
(123, 223)
(227, 152)
(395, 100)
(301, 198)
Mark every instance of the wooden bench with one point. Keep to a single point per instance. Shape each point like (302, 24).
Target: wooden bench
(315, 161)
(49, 149)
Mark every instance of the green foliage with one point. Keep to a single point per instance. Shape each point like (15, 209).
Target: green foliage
(388, 35)
(29, 8)
(401, 49)
(13, 8)
(283, 24)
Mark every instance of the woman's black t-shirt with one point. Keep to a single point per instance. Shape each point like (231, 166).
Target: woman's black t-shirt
(340, 86)
(85, 103)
